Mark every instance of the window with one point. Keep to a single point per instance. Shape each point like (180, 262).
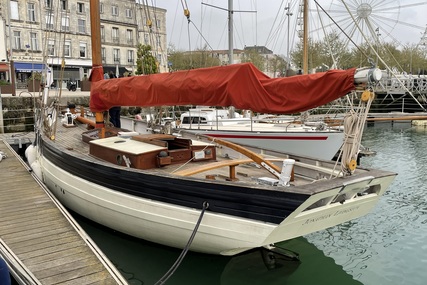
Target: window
(115, 35)
(83, 50)
(14, 12)
(48, 3)
(49, 21)
(130, 56)
(116, 55)
(16, 40)
(103, 55)
(102, 33)
(67, 48)
(34, 43)
(64, 5)
(31, 12)
(114, 10)
(129, 36)
(158, 23)
(80, 8)
(159, 59)
(158, 41)
(65, 23)
(82, 25)
(128, 13)
(101, 8)
(51, 47)
(146, 39)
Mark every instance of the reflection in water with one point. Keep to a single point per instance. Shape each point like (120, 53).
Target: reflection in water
(143, 262)
(388, 245)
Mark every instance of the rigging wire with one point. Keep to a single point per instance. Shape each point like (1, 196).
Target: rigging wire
(327, 42)
(175, 266)
(338, 26)
(382, 61)
(274, 22)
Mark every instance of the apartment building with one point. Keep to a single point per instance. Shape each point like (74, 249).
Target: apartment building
(44, 34)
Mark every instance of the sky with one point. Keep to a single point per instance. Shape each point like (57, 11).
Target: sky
(266, 23)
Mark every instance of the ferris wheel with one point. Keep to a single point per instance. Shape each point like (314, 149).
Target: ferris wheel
(362, 20)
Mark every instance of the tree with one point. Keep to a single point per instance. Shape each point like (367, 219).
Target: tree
(331, 52)
(413, 59)
(199, 58)
(146, 63)
(277, 65)
(334, 51)
(314, 59)
(257, 59)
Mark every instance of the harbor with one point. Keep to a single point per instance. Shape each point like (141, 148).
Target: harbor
(104, 192)
(384, 247)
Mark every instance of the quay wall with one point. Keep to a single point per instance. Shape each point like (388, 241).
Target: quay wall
(17, 112)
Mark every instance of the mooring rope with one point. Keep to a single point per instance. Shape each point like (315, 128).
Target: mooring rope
(178, 261)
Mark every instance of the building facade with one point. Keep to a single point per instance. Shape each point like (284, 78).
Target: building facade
(55, 35)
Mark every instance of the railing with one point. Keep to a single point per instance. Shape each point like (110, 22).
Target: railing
(17, 120)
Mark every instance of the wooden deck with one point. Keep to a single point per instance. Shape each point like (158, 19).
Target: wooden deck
(38, 238)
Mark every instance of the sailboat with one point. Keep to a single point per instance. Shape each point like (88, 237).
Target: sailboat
(202, 193)
(274, 133)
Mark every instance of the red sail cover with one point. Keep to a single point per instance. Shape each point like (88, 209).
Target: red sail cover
(240, 85)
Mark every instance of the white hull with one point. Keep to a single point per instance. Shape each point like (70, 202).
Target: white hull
(172, 225)
(320, 144)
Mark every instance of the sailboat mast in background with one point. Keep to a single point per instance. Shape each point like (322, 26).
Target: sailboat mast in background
(305, 37)
(230, 32)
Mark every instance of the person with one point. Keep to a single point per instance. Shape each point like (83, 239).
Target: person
(111, 75)
(114, 112)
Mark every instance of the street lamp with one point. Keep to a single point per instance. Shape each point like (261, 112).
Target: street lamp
(378, 43)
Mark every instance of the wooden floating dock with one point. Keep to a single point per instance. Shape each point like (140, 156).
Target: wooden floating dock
(382, 117)
(39, 239)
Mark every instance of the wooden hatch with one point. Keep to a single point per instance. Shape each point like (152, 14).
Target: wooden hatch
(151, 150)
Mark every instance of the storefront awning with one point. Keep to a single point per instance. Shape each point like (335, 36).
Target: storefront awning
(29, 67)
(4, 67)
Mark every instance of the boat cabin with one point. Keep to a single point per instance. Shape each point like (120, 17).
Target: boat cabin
(150, 150)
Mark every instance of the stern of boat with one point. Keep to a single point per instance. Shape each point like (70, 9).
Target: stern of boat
(354, 199)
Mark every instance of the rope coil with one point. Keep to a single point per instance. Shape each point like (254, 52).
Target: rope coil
(353, 129)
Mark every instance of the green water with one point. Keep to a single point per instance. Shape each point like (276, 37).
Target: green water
(145, 263)
(388, 246)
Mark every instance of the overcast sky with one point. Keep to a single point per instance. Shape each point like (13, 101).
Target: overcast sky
(264, 22)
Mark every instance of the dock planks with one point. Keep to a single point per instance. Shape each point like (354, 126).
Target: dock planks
(40, 241)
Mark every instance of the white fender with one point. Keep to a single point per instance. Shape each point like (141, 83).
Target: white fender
(30, 154)
(37, 169)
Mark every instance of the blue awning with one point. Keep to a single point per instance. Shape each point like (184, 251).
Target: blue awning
(29, 67)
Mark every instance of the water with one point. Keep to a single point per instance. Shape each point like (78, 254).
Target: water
(388, 246)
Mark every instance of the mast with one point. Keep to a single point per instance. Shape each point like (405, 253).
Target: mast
(95, 30)
(230, 31)
(305, 38)
(97, 73)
